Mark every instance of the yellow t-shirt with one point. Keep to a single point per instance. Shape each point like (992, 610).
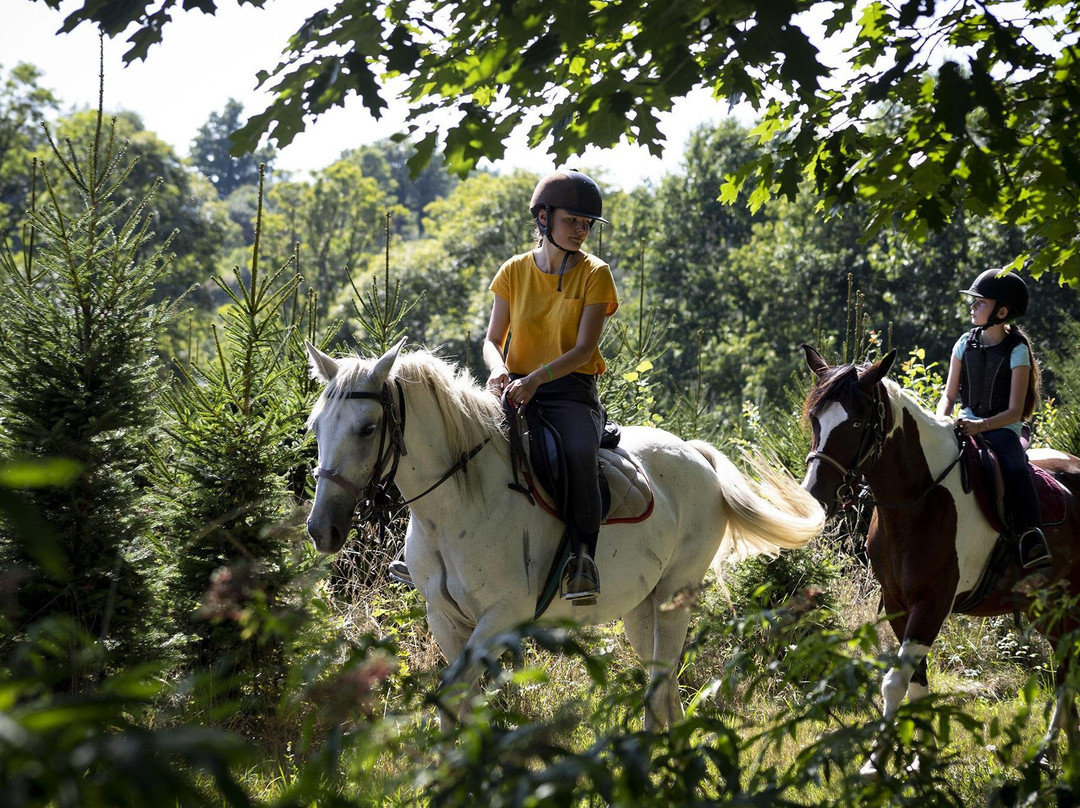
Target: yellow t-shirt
(544, 322)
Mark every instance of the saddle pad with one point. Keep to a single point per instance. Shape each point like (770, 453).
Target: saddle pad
(1051, 496)
(987, 484)
(631, 494)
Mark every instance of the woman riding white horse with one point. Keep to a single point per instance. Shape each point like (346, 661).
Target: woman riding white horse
(480, 552)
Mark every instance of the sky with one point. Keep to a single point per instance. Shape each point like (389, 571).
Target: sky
(206, 60)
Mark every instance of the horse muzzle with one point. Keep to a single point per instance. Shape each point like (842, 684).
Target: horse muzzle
(330, 520)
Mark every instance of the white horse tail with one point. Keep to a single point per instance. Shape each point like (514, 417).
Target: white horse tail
(764, 515)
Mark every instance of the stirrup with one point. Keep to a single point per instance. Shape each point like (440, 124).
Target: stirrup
(581, 580)
(399, 571)
(1034, 554)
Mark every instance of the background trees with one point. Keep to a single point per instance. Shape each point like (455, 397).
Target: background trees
(79, 329)
(24, 105)
(211, 152)
(919, 108)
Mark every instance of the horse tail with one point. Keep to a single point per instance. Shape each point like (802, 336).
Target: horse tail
(764, 515)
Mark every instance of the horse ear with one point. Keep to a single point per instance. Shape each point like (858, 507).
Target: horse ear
(323, 367)
(381, 371)
(814, 360)
(879, 370)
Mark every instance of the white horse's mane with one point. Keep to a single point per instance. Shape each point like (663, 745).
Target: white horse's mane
(469, 412)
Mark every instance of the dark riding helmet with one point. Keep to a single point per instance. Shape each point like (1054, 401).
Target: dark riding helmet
(570, 190)
(1006, 289)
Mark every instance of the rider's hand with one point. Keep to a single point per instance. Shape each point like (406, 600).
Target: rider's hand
(497, 382)
(971, 427)
(521, 391)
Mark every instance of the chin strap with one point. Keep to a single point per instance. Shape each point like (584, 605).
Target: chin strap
(546, 231)
(562, 267)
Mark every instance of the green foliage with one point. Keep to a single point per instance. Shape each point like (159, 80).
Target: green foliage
(330, 226)
(210, 152)
(24, 103)
(76, 345)
(922, 379)
(97, 749)
(925, 110)
(238, 449)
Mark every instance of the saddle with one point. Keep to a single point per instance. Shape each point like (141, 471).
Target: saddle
(982, 474)
(625, 492)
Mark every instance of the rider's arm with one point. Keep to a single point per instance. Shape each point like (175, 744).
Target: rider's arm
(590, 326)
(952, 389)
(498, 328)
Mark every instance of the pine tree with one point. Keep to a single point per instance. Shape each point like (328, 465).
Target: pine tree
(78, 382)
(239, 454)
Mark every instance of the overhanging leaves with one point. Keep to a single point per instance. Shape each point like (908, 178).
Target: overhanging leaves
(952, 83)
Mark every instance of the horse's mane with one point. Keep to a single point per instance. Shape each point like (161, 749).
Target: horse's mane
(834, 381)
(827, 387)
(469, 412)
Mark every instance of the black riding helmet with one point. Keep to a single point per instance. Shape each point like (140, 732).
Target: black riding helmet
(570, 190)
(1004, 288)
(574, 192)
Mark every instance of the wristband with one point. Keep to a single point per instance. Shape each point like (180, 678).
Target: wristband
(547, 367)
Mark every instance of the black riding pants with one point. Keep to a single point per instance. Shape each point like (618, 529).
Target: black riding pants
(1021, 501)
(572, 406)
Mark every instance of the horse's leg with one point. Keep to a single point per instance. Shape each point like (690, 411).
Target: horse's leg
(451, 635)
(671, 627)
(919, 687)
(478, 650)
(640, 628)
(894, 687)
(1064, 709)
(1059, 720)
(658, 637)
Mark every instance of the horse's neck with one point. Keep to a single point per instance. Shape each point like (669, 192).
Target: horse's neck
(917, 442)
(430, 457)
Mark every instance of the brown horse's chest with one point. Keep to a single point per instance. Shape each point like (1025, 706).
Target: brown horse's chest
(914, 546)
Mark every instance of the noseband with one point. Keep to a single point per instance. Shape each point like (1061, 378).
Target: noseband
(871, 443)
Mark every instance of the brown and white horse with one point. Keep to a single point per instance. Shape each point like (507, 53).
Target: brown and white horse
(928, 541)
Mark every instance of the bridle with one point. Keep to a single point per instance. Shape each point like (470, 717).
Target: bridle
(871, 445)
(375, 495)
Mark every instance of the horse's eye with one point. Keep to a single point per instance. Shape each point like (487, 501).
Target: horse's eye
(366, 431)
(856, 424)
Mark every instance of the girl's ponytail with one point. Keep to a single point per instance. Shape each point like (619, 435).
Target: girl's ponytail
(1034, 391)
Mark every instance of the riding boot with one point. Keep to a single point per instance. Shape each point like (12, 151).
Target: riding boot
(1034, 553)
(581, 581)
(399, 571)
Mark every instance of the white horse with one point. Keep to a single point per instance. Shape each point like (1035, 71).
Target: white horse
(479, 552)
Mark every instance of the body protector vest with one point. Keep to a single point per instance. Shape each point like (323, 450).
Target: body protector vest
(986, 377)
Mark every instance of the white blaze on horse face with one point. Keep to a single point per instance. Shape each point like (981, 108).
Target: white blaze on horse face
(830, 417)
